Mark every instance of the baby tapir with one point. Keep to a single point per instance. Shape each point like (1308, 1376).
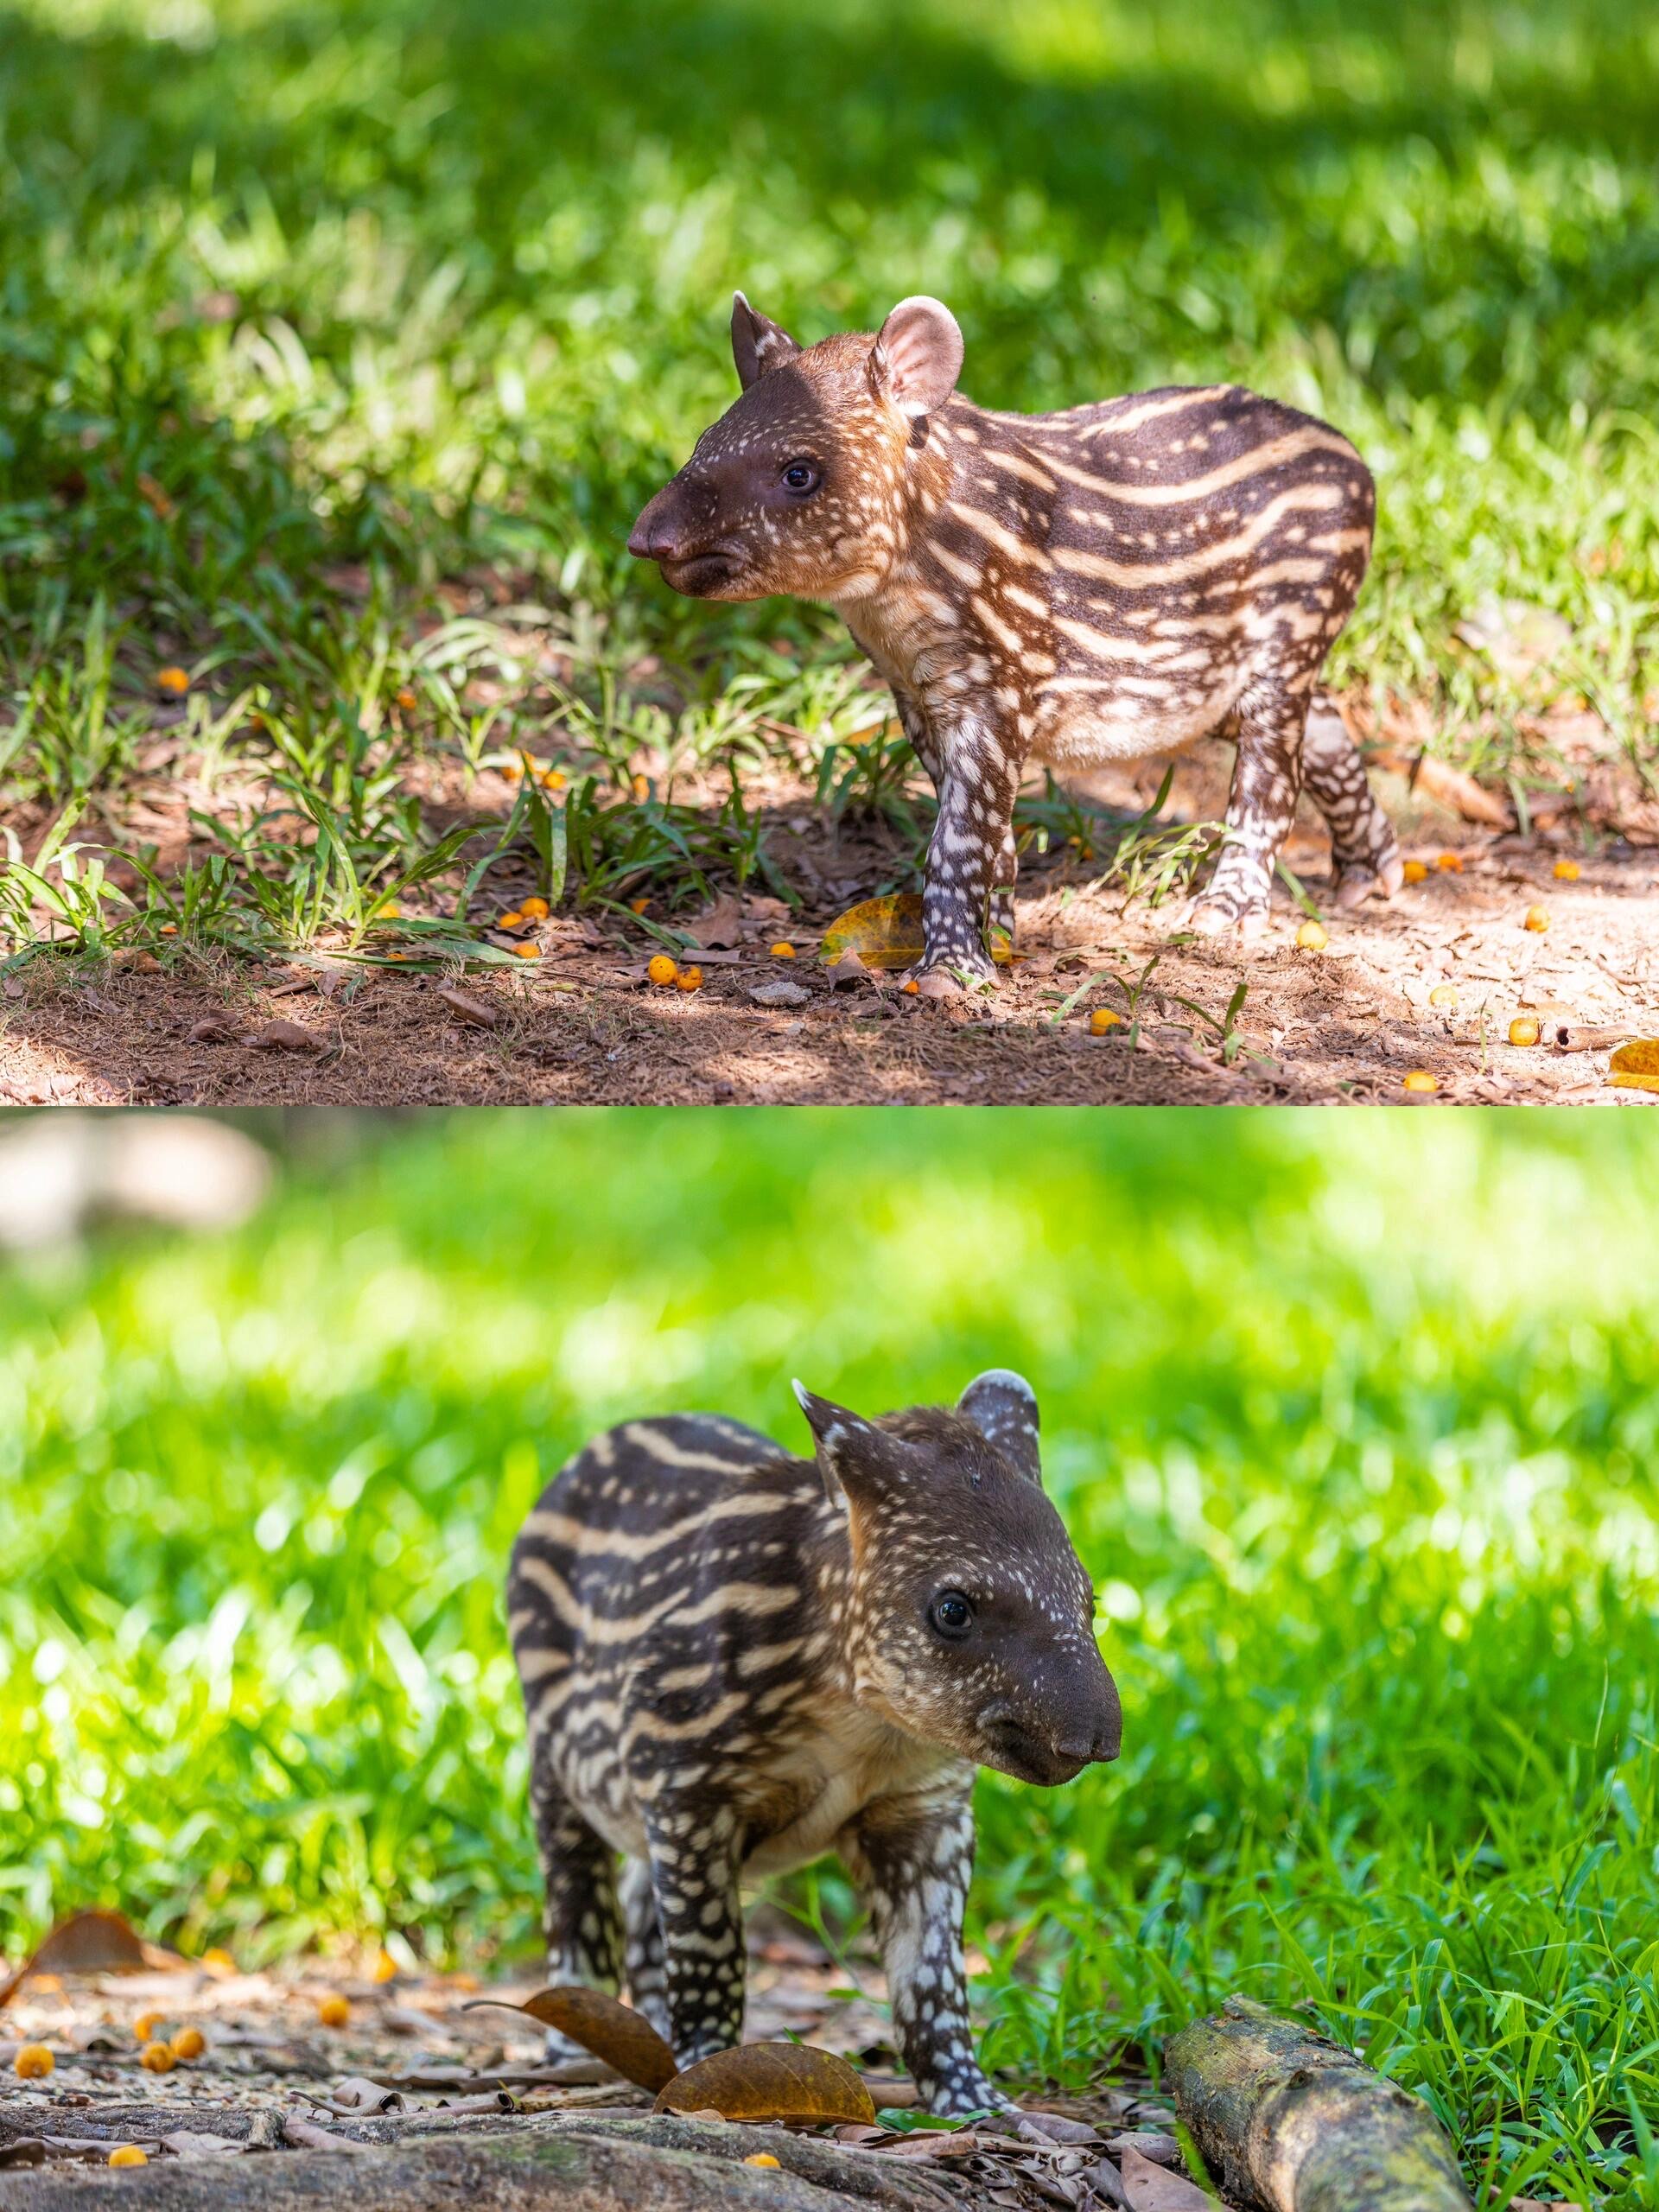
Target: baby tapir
(1097, 585)
(735, 1661)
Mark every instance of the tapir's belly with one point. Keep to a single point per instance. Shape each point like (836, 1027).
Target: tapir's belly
(1086, 727)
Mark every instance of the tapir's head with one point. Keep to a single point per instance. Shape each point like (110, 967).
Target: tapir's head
(802, 483)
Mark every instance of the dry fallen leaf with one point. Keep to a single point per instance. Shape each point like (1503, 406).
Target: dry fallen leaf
(476, 1011)
(614, 2032)
(883, 932)
(771, 2080)
(358, 2093)
(1154, 2188)
(720, 925)
(93, 1942)
(1635, 1067)
(281, 1036)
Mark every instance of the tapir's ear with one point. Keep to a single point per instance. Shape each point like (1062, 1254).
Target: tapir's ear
(758, 343)
(1002, 1405)
(854, 1454)
(918, 357)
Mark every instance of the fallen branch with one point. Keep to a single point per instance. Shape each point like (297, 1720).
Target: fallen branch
(1290, 2122)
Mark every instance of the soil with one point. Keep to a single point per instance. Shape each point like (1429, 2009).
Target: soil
(580, 1025)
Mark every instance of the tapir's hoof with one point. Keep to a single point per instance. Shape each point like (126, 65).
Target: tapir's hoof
(1359, 880)
(1209, 916)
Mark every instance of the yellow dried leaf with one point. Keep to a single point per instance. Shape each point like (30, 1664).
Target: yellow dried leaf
(771, 2080)
(613, 2031)
(1635, 1067)
(882, 933)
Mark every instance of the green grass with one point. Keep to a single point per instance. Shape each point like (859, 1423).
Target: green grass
(306, 309)
(1353, 1422)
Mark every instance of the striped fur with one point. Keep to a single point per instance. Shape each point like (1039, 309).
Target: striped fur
(733, 1663)
(1072, 588)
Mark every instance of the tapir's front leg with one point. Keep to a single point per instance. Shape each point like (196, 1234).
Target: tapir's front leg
(969, 858)
(913, 1864)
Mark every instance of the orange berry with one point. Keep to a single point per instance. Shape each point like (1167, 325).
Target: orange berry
(911, 989)
(1421, 1079)
(34, 2063)
(641, 788)
(406, 699)
(218, 1961)
(385, 1966)
(553, 780)
(1103, 1018)
(661, 969)
(782, 950)
(761, 2158)
(533, 910)
(147, 2026)
(1444, 994)
(528, 951)
(157, 2058)
(1450, 863)
(1415, 871)
(1567, 871)
(1537, 917)
(637, 905)
(1523, 1030)
(1312, 936)
(392, 912)
(512, 770)
(512, 919)
(173, 680)
(128, 2154)
(333, 2012)
(689, 979)
(189, 2043)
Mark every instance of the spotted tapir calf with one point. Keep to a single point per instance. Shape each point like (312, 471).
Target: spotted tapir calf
(1114, 580)
(735, 1661)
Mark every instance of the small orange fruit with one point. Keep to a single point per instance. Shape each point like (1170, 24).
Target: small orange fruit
(157, 2058)
(1103, 1018)
(641, 788)
(34, 2063)
(1450, 863)
(170, 929)
(1421, 1079)
(1312, 936)
(533, 910)
(1415, 871)
(912, 987)
(1523, 1030)
(638, 905)
(128, 2154)
(1537, 917)
(406, 699)
(1567, 871)
(175, 681)
(689, 979)
(512, 919)
(147, 2026)
(761, 2158)
(333, 2012)
(392, 912)
(661, 969)
(189, 2043)
(783, 950)
(528, 951)
(553, 780)
(512, 770)
(218, 1959)
(385, 1966)
(1444, 994)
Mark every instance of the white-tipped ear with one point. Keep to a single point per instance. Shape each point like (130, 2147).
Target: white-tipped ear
(1002, 1405)
(758, 343)
(837, 1434)
(918, 357)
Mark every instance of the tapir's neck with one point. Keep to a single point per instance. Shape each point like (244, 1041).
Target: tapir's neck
(903, 618)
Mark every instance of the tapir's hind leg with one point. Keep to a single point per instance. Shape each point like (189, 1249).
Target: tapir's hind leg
(1267, 781)
(1364, 851)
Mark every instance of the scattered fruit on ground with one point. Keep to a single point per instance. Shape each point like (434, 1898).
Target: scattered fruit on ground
(174, 680)
(218, 1960)
(1444, 994)
(1537, 917)
(1419, 1080)
(512, 919)
(1567, 871)
(533, 910)
(1312, 936)
(783, 950)
(661, 969)
(333, 2012)
(638, 905)
(157, 2058)
(1415, 871)
(761, 2158)
(189, 2043)
(128, 2154)
(552, 779)
(1450, 863)
(1523, 1030)
(528, 951)
(147, 2026)
(1100, 1021)
(641, 788)
(34, 2063)
(406, 699)
(385, 1966)
(689, 979)
(912, 987)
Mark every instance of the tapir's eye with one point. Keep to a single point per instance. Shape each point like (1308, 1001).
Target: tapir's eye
(951, 1614)
(801, 477)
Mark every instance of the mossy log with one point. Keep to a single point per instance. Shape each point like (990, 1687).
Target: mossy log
(529, 2166)
(1288, 2121)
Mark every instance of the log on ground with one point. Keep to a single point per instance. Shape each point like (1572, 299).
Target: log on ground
(1288, 2121)
(529, 2167)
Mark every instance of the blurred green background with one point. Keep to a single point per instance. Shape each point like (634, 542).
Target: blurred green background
(1353, 1419)
(428, 284)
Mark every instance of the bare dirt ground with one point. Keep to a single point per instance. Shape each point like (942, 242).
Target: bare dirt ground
(410, 2065)
(581, 1025)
